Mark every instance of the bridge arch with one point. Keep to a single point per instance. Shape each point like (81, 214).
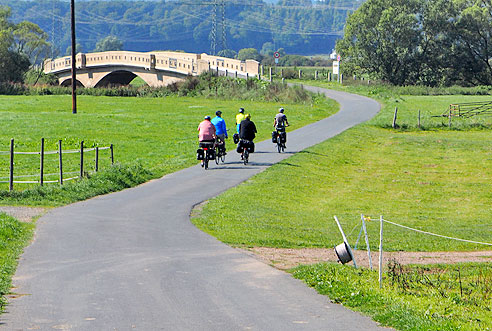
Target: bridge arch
(68, 82)
(117, 77)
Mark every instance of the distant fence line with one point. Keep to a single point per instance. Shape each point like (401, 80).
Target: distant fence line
(60, 173)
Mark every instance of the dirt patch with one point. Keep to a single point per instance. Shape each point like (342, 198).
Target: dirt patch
(23, 214)
(286, 258)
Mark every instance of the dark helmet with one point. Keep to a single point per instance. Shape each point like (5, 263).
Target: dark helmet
(218, 113)
(207, 118)
(281, 110)
(241, 110)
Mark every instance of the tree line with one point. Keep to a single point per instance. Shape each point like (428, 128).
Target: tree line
(298, 26)
(427, 42)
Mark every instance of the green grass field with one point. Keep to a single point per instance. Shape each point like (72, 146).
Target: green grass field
(157, 133)
(435, 178)
(14, 235)
(436, 297)
(438, 180)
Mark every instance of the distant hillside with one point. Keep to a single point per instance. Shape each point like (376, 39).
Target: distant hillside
(298, 26)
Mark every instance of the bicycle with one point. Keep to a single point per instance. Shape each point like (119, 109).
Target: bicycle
(206, 152)
(280, 138)
(220, 151)
(247, 147)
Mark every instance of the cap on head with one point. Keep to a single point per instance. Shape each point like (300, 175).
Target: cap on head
(281, 110)
(218, 113)
(207, 118)
(248, 116)
(241, 110)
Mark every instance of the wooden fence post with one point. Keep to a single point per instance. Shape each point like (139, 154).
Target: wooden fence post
(394, 118)
(300, 74)
(316, 75)
(11, 174)
(81, 159)
(270, 72)
(112, 155)
(60, 163)
(97, 159)
(419, 119)
(41, 162)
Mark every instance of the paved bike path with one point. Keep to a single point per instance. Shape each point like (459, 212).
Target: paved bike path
(132, 260)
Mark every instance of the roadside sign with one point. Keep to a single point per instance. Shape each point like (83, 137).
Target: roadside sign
(336, 67)
(339, 57)
(276, 60)
(276, 55)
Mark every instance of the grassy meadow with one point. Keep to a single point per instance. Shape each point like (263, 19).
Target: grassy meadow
(424, 297)
(14, 235)
(158, 134)
(436, 180)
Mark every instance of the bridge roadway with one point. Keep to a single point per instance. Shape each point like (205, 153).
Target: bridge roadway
(158, 68)
(132, 260)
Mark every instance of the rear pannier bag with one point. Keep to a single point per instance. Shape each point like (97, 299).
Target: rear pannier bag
(283, 137)
(199, 154)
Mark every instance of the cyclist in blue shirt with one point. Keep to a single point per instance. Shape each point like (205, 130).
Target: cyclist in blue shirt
(220, 128)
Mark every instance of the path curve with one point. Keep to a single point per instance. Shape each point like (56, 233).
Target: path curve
(132, 260)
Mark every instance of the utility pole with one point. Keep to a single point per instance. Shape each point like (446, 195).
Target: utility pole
(74, 74)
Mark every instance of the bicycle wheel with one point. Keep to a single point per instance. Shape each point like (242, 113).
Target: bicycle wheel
(246, 156)
(217, 156)
(205, 161)
(222, 157)
(279, 145)
(283, 147)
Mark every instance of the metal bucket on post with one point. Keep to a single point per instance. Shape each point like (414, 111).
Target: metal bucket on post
(343, 253)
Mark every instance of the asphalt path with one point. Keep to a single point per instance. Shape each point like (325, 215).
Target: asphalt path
(132, 260)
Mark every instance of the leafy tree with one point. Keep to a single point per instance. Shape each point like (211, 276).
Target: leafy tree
(267, 49)
(110, 43)
(399, 41)
(31, 41)
(36, 76)
(472, 48)
(227, 53)
(249, 54)
(12, 64)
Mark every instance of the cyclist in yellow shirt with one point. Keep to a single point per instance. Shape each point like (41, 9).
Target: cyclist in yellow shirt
(239, 118)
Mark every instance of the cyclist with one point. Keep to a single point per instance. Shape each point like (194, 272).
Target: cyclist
(247, 129)
(206, 133)
(280, 121)
(239, 118)
(220, 129)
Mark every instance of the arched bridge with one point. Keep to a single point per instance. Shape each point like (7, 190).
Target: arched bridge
(155, 68)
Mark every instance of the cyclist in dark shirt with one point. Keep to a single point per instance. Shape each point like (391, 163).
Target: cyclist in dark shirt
(247, 129)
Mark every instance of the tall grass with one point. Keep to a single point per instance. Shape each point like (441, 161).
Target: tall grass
(419, 298)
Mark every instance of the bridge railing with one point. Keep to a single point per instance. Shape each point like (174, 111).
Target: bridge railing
(185, 63)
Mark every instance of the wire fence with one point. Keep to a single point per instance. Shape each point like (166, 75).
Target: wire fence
(14, 178)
